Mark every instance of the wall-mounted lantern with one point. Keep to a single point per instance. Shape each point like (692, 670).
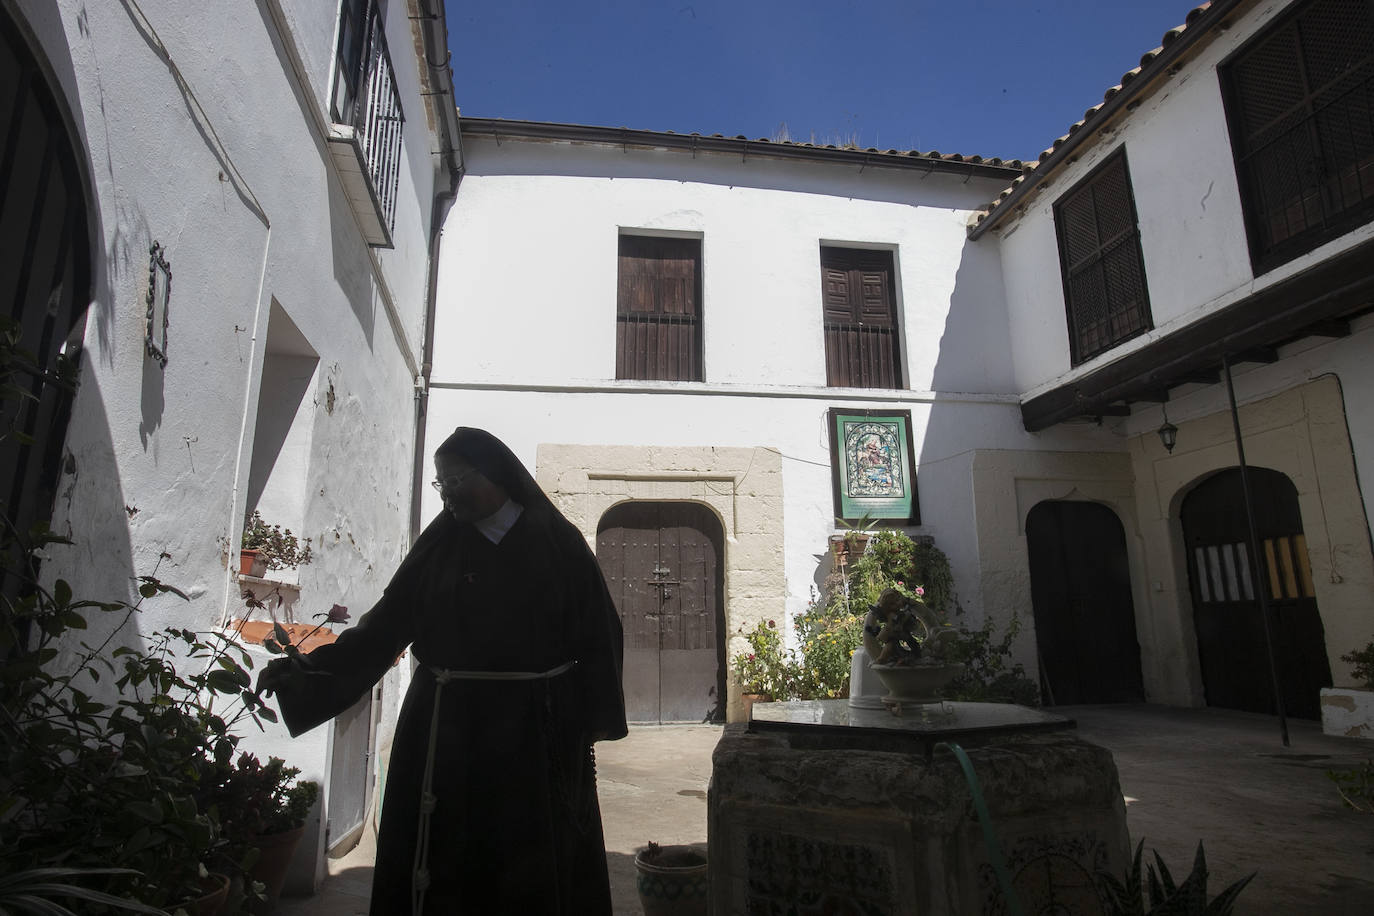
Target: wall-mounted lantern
(1168, 433)
(159, 299)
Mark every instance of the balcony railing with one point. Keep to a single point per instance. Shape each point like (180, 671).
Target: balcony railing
(366, 140)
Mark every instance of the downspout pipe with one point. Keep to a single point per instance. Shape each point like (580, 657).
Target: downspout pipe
(1256, 574)
(435, 29)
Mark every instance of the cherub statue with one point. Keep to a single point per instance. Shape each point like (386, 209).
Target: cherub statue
(897, 632)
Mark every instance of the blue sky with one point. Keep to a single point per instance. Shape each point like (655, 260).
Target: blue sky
(985, 77)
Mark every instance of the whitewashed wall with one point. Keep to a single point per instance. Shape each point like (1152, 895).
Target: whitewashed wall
(205, 132)
(1191, 229)
(525, 335)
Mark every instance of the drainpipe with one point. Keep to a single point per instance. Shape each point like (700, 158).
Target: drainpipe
(435, 30)
(1261, 584)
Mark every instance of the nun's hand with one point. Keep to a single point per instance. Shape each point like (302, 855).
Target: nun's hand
(280, 673)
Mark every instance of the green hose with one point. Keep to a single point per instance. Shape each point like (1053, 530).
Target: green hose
(980, 806)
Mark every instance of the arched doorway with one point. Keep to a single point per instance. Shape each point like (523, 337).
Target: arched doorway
(1081, 595)
(663, 564)
(1226, 610)
(45, 277)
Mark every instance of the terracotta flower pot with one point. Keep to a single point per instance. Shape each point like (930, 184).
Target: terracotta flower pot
(251, 563)
(274, 857)
(675, 882)
(216, 888)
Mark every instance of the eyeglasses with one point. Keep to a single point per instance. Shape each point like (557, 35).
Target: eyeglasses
(452, 483)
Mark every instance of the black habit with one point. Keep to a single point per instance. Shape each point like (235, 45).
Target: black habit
(515, 824)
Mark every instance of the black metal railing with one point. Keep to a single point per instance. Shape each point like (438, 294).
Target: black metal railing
(366, 99)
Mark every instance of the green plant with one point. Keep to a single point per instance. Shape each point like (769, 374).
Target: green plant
(990, 676)
(827, 635)
(1166, 898)
(1356, 786)
(1363, 660)
(37, 890)
(89, 783)
(278, 547)
(252, 799)
(766, 668)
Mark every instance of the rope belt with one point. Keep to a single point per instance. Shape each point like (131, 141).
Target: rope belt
(428, 800)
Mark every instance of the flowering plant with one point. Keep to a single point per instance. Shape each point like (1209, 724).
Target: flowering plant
(765, 668)
(277, 546)
(280, 640)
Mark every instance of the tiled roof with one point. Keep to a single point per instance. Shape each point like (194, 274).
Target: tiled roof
(1152, 63)
(761, 146)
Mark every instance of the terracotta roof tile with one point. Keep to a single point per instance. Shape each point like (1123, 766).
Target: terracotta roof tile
(1169, 38)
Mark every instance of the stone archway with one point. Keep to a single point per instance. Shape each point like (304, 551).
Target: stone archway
(743, 487)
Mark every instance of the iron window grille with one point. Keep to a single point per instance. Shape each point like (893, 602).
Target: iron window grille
(1100, 258)
(1300, 106)
(366, 99)
(658, 309)
(859, 318)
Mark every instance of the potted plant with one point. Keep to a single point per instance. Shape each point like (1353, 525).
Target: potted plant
(267, 547)
(1349, 711)
(672, 880)
(762, 672)
(849, 545)
(261, 810)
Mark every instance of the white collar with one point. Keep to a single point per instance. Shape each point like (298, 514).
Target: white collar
(495, 526)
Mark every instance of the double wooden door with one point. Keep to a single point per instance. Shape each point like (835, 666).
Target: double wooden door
(1081, 595)
(662, 563)
(1226, 610)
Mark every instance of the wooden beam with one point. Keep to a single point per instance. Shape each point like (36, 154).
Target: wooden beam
(1277, 313)
(1331, 327)
(1256, 355)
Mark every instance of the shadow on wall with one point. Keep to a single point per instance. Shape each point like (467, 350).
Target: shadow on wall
(974, 356)
(91, 510)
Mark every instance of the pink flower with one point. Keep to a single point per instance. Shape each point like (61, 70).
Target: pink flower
(337, 614)
(920, 591)
(771, 624)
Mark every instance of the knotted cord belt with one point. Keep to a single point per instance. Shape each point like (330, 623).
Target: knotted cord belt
(428, 800)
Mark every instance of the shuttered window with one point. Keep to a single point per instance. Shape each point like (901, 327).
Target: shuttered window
(1300, 105)
(658, 309)
(1099, 253)
(860, 319)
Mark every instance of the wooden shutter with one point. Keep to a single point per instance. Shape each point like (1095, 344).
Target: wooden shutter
(1300, 104)
(1104, 272)
(658, 305)
(860, 318)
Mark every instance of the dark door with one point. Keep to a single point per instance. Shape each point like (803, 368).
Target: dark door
(1081, 595)
(45, 281)
(662, 562)
(1226, 611)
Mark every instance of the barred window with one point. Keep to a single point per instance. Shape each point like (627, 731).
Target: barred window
(1099, 254)
(860, 319)
(658, 309)
(1300, 106)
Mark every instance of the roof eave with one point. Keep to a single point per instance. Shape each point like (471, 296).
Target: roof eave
(500, 128)
(1065, 147)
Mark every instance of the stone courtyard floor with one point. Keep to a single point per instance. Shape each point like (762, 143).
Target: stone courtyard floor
(1188, 774)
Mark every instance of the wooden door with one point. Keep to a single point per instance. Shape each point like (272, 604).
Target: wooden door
(45, 280)
(1226, 611)
(662, 562)
(1081, 595)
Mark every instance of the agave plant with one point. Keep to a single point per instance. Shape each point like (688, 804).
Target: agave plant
(1165, 897)
(38, 890)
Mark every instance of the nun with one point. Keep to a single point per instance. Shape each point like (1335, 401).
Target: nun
(490, 803)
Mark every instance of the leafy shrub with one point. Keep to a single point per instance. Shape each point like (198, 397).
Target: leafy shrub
(1356, 786)
(1363, 660)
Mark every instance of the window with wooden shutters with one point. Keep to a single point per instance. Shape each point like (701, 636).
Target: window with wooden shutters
(860, 319)
(658, 309)
(1099, 254)
(1300, 105)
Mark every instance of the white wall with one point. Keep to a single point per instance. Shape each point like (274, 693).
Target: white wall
(525, 333)
(1192, 232)
(206, 133)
